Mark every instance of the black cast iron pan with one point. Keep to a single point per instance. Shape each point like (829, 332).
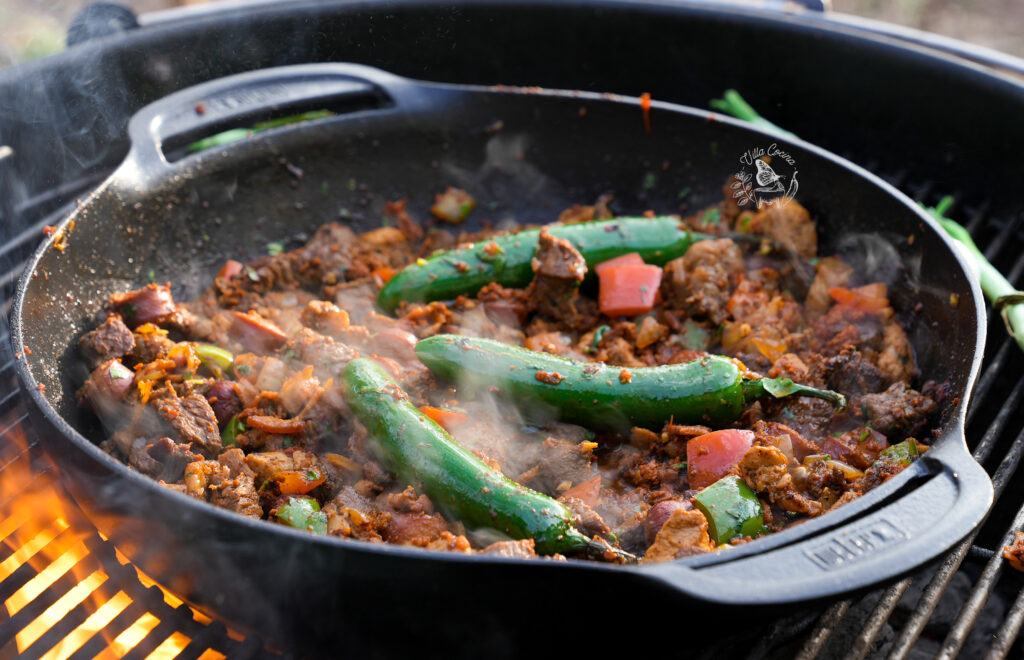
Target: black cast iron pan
(525, 154)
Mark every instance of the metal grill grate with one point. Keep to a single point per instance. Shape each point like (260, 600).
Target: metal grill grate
(67, 593)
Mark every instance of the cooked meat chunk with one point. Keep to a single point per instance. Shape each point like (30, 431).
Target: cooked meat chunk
(511, 549)
(825, 475)
(110, 340)
(417, 529)
(150, 345)
(765, 469)
(587, 520)
(702, 281)
(1014, 553)
(831, 272)
(164, 460)
(849, 372)
(213, 482)
(859, 447)
(326, 318)
(327, 356)
(788, 225)
(896, 361)
(558, 269)
(898, 410)
(191, 420)
(685, 533)
(269, 464)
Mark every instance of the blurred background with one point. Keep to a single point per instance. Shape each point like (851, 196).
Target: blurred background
(35, 28)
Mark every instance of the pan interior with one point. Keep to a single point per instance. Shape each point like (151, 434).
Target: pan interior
(522, 156)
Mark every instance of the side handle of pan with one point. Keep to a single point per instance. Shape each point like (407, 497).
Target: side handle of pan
(891, 540)
(161, 131)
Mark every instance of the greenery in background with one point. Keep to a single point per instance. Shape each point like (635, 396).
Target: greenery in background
(1006, 299)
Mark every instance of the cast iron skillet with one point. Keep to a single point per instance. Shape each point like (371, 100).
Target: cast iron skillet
(524, 153)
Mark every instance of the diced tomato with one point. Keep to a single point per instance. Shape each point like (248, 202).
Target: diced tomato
(291, 482)
(446, 419)
(628, 290)
(711, 456)
(870, 298)
(586, 491)
(631, 259)
(229, 269)
(384, 274)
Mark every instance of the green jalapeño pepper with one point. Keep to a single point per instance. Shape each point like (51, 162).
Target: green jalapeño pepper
(506, 259)
(422, 454)
(712, 390)
(303, 513)
(731, 508)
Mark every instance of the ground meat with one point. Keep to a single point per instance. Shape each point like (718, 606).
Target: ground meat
(408, 501)
(647, 473)
(558, 269)
(685, 533)
(701, 281)
(511, 549)
(765, 469)
(822, 476)
(842, 326)
(878, 474)
(110, 340)
(789, 226)
(897, 411)
(849, 372)
(191, 421)
(808, 417)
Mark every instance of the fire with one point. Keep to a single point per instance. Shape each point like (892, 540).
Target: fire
(64, 598)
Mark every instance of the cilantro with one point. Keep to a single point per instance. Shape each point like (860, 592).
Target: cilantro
(714, 148)
(288, 442)
(243, 369)
(351, 184)
(324, 188)
(312, 475)
(251, 274)
(275, 248)
(864, 434)
(187, 374)
(680, 466)
(152, 276)
(710, 217)
(684, 193)
(649, 181)
(788, 414)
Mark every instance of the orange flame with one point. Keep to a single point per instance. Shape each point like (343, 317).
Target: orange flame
(60, 581)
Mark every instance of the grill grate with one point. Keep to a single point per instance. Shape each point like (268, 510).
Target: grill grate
(55, 567)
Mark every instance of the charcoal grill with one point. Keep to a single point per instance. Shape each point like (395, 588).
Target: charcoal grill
(940, 120)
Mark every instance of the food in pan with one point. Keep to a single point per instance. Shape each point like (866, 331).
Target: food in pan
(615, 389)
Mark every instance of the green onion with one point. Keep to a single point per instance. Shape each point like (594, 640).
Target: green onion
(733, 104)
(1005, 298)
(235, 134)
(275, 248)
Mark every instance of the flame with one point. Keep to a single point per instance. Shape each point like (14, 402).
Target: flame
(49, 554)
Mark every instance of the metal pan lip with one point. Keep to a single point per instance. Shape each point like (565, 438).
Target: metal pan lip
(791, 536)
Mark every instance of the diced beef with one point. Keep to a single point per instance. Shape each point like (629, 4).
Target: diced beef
(213, 482)
(896, 360)
(408, 501)
(326, 318)
(417, 529)
(788, 225)
(859, 447)
(255, 333)
(898, 411)
(831, 272)
(327, 356)
(523, 549)
(586, 519)
(164, 460)
(191, 420)
(842, 326)
(825, 476)
(701, 281)
(148, 346)
(110, 340)
(850, 373)
(558, 269)
(685, 533)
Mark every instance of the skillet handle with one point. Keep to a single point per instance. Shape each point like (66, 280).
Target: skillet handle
(882, 544)
(166, 126)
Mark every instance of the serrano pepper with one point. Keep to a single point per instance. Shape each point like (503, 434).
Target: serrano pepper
(422, 454)
(506, 259)
(712, 390)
